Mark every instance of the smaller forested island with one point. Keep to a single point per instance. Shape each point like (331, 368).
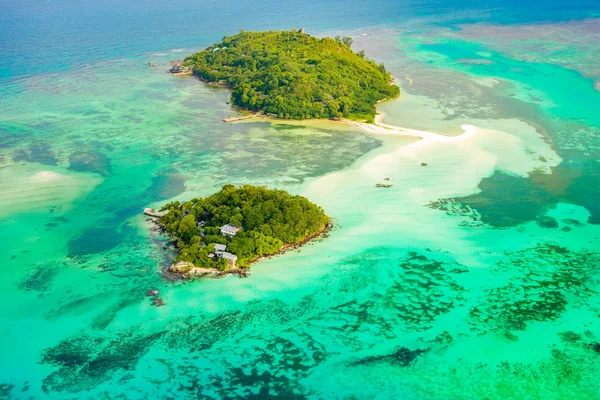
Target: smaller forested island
(293, 75)
(231, 229)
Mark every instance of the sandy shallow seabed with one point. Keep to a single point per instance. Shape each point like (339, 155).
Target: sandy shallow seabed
(455, 166)
(33, 187)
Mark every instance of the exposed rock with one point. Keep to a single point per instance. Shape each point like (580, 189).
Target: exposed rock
(177, 68)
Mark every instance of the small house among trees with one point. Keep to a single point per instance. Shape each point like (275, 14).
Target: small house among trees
(230, 258)
(230, 230)
(241, 225)
(220, 249)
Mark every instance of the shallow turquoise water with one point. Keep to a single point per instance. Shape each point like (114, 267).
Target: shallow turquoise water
(476, 277)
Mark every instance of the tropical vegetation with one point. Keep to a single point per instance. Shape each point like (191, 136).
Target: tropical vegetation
(269, 220)
(293, 75)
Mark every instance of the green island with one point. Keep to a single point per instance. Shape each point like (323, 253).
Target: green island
(293, 75)
(231, 229)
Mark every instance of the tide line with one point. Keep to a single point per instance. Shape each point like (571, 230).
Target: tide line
(381, 128)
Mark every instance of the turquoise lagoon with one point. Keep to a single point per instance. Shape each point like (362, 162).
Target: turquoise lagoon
(474, 277)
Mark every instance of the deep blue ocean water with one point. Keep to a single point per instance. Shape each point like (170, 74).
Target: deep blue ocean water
(39, 36)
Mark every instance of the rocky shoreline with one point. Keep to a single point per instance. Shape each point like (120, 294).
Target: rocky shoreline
(187, 270)
(293, 246)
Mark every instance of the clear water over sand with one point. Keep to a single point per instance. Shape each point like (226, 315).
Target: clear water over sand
(474, 277)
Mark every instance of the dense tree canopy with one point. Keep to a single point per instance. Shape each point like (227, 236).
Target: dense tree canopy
(269, 220)
(296, 76)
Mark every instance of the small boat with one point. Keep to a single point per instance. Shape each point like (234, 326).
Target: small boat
(152, 292)
(158, 302)
(384, 185)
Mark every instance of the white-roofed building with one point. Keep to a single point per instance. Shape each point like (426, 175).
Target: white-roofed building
(230, 230)
(231, 258)
(219, 249)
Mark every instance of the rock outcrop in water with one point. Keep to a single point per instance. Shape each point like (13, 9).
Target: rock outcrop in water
(178, 68)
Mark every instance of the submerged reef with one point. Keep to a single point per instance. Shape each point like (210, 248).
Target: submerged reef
(337, 321)
(547, 278)
(86, 361)
(425, 289)
(89, 161)
(402, 357)
(40, 153)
